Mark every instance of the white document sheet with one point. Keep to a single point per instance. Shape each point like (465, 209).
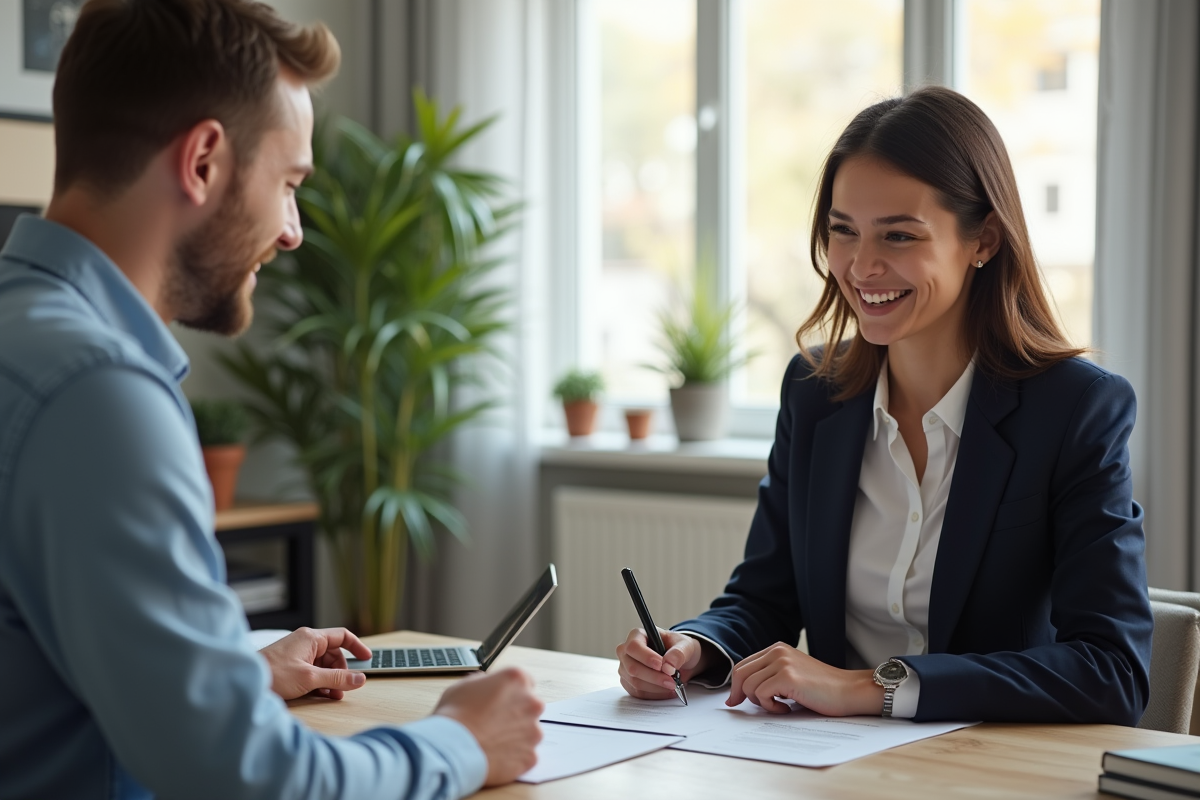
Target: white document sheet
(567, 750)
(805, 739)
(800, 738)
(613, 708)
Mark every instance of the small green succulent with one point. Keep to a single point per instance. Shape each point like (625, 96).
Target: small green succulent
(220, 422)
(579, 385)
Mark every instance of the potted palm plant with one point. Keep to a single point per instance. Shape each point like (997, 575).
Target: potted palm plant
(578, 391)
(699, 359)
(381, 319)
(221, 426)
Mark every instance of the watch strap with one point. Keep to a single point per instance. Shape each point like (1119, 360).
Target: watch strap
(889, 696)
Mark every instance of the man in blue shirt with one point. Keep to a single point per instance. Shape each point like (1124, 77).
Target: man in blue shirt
(183, 128)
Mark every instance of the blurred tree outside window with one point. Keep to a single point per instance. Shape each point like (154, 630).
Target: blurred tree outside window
(809, 68)
(647, 182)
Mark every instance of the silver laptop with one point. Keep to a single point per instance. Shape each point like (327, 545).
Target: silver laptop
(420, 659)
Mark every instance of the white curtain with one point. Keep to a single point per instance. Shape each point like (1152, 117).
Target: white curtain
(1146, 298)
(489, 57)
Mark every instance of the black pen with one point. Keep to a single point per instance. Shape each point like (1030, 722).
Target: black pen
(652, 636)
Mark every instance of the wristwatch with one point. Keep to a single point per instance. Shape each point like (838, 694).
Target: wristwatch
(889, 675)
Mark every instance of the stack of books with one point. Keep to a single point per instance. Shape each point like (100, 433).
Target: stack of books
(1155, 773)
(257, 587)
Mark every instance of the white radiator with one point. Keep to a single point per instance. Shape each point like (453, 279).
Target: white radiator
(681, 547)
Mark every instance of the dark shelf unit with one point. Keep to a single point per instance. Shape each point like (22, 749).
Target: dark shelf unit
(293, 524)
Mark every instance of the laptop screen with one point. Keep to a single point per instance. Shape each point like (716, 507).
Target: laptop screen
(517, 617)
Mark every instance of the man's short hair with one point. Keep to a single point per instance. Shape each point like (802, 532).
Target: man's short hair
(135, 74)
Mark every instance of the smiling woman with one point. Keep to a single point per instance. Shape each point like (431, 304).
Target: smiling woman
(904, 204)
(949, 498)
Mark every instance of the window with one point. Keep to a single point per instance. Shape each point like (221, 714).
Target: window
(777, 81)
(647, 181)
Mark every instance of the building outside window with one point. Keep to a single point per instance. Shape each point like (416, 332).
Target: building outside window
(1049, 125)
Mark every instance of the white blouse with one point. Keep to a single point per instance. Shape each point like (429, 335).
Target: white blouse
(895, 533)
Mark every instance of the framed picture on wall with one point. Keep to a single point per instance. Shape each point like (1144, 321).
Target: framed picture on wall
(32, 35)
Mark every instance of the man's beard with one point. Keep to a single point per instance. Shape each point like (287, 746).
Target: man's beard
(207, 287)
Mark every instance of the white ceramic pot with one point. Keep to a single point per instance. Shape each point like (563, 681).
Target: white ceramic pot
(701, 411)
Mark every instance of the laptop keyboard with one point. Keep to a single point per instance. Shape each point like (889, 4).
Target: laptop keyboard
(416, 657)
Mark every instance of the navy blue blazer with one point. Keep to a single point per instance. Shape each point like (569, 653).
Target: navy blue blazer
(1038, 610)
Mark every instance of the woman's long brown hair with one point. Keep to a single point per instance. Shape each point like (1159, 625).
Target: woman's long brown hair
(944, 140)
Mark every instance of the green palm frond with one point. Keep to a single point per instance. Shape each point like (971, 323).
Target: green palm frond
(375, 320)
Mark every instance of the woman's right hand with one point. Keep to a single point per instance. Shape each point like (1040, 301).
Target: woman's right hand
(647, 675)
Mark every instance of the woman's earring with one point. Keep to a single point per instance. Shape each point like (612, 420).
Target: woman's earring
(978, 265)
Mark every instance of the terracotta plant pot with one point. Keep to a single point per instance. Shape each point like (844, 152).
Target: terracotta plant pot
(638, 420)
(581, 417)
(223, 463)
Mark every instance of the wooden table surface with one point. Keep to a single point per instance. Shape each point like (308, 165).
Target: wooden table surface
(985, 761)
(252, 514)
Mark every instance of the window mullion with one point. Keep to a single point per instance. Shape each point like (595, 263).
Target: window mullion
(714, 119)
(931, 30)
(720, 172)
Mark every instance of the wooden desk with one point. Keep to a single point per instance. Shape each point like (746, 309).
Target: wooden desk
(986, 761)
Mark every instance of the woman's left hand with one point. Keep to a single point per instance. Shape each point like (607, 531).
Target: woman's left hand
(783, 671)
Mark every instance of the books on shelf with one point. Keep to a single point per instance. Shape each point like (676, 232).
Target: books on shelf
(259, 588)
(1154, 773)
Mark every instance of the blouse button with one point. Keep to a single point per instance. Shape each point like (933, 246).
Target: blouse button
(932, 420)
(895, 608)
(915, 516)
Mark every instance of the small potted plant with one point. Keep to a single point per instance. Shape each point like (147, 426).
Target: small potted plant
(638, 420)
(700, 357)
(578, 391)
(221, 426)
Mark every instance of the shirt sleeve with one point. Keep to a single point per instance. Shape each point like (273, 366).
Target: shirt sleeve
(908, 695)
(111, 511)
(708, 679)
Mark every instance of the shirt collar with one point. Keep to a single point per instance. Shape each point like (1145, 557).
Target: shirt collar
(64, 253)
(951, 409)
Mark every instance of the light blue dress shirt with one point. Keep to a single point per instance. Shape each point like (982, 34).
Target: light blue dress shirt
(126, 669)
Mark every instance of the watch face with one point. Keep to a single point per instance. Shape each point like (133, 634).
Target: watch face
(892, 672)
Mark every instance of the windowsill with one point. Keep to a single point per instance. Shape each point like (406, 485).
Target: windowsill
(608, 450)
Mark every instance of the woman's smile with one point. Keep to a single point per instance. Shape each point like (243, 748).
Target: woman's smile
(881, 302)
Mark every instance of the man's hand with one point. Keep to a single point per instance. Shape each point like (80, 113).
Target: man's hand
(308, 660)
(501, 712)
(647, 675)
(783, 671)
